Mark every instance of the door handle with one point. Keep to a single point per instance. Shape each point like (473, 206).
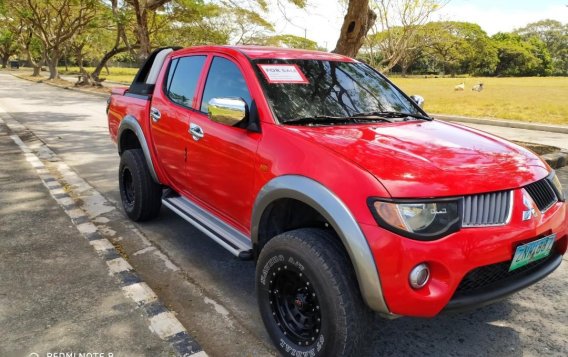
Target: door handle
(155, 114)
(196, 131)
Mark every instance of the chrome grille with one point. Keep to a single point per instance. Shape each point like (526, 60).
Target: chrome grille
(542, 194)
(487, 209)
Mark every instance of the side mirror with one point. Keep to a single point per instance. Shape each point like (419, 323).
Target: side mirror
(418, 100)
(227, 111)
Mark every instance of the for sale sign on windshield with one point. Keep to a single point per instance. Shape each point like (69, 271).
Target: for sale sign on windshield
(283, 73)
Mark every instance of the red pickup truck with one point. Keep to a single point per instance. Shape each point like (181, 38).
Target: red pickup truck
(350, 198)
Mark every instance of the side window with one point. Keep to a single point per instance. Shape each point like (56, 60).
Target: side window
(224, 80)
(182, 79)
(171, 71)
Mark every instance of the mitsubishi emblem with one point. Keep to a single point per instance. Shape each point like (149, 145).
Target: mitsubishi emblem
(529, 211)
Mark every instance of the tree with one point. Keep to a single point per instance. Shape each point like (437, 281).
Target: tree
(8, 44)
(10, 31)
(414, 49)
(359, 19)
(141, 10)
(54, 23)
(112, 19)
(194, 23)
(25, 41)
(521, 58)
(459, 47)
(399, 21)
(292, 41)
(249, 27)
(243, 15)
(554, 35)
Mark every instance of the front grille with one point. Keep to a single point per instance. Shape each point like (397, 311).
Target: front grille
(486, 276)
(542, 194)
(487, 209)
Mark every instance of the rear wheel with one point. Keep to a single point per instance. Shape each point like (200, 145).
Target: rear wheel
(308, 296)
(141, 196)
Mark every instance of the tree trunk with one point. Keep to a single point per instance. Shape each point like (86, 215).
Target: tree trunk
(84, 77)
(143, 35)
(5, 59)
(102, 64)
(30, 62)
(52, 63)
(357, 22)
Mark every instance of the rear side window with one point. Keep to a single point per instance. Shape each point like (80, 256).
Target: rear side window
(224, 80)
(182, 79)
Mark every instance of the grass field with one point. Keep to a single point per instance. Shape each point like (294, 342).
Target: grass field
(117, 74)
(531, 99)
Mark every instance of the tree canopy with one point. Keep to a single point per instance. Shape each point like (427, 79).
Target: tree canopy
(451, 47)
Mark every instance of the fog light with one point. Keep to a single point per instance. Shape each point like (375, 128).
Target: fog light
(419, 276)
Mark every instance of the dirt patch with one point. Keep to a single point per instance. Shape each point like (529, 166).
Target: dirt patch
(538, 148)
(64, 84)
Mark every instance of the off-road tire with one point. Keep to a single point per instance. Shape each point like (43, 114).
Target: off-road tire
(141, 196)
(315, 258)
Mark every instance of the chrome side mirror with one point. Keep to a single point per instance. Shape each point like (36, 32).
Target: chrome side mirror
(227, 111)
(418, 100)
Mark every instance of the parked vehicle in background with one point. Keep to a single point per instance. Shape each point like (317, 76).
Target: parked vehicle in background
(350, 198)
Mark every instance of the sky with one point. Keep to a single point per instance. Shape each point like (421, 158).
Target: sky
(322, 19)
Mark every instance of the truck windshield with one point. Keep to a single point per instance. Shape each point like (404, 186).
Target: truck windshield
(319, 90)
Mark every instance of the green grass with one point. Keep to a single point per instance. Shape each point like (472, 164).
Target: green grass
(531, 99)
(117, 74)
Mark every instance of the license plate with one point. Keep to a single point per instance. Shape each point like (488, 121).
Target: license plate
(530, 252)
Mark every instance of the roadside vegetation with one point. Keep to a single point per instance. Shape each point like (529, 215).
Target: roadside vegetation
(114, 74)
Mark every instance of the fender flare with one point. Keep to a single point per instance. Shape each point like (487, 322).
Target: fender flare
(338, 215)
(130, 123)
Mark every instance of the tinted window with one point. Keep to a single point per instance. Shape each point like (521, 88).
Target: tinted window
(332, 89)
(224, 80)
(171, 71)
(184, 79)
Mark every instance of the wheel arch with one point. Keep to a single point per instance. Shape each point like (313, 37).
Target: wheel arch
(336, 213)
(128, 130)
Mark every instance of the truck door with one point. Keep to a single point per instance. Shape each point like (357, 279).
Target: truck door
(221, 159)
(170, 113)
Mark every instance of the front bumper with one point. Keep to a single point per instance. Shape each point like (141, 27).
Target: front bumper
(498, 291)
(451, 258)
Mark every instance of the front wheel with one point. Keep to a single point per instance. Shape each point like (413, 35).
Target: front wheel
(308, 296)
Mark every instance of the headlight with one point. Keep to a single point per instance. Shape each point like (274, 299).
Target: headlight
(422, 220)
(557, 186)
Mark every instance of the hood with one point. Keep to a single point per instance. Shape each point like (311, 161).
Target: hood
(431, 158)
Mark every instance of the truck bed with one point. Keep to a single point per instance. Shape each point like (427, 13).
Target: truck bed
(123, 103)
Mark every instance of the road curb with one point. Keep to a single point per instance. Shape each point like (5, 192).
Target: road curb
(563, 129)
(556, 160)
(161, 321)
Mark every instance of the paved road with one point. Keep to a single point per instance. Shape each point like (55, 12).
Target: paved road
(55, 294)
(74, 125)
(542, 137)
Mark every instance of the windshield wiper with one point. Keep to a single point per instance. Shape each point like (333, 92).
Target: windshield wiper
(328, 119)
(390, 114)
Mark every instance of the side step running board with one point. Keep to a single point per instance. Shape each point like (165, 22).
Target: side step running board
(228, 237)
